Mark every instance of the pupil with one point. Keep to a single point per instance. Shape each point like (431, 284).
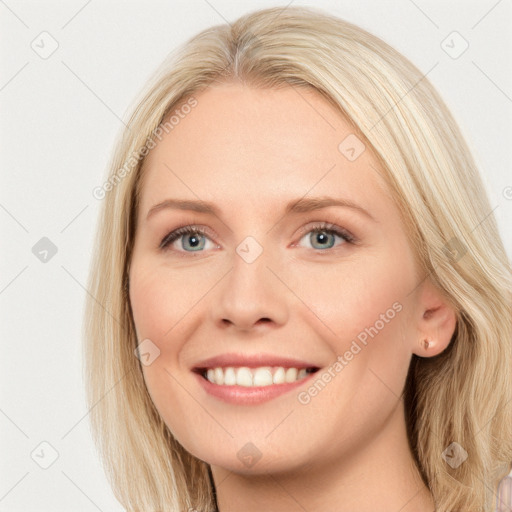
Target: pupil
(321, 238)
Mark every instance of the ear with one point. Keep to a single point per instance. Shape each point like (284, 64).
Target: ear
(436, 321)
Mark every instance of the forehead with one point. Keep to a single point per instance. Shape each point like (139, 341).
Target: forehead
(243, 146)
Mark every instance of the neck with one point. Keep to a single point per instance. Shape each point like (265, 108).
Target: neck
(381, 475)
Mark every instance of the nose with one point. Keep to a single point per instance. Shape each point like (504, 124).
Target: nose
(250, 297)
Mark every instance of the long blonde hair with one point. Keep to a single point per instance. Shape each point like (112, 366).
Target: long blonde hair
(463, 395)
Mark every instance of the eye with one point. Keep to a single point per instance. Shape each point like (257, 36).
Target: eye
(193, 239)
(323, 236)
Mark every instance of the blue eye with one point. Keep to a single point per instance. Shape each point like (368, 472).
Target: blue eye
(194, 238)
(325, 237)
(322, 237)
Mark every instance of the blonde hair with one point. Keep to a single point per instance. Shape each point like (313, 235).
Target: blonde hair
(462, 395)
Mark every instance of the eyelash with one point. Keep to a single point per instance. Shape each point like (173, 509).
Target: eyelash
(319, 228)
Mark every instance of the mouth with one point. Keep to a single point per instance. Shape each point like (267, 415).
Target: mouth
(253, 377)
(250, 379)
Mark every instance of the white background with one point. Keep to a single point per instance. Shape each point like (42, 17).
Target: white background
(58, 121)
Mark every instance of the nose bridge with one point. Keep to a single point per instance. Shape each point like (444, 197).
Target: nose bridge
(250, 291)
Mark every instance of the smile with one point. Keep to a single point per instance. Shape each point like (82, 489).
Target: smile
(255, 377)
(251, 386)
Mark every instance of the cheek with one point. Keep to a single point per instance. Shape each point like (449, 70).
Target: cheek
(361, 309)
(347, 298)
(151, 303)
(162, 303)
(362, 312)
(167, 309)
(162, 299)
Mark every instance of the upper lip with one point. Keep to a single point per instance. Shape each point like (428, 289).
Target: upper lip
(252, 361)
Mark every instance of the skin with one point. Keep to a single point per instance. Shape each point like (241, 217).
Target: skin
(251, 151)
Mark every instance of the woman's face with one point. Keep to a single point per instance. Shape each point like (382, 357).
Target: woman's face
(259, 282)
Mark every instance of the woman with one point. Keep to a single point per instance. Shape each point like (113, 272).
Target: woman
(233, 360)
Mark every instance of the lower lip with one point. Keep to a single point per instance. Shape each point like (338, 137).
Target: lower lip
(244, 395)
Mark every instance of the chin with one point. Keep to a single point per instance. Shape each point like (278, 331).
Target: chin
(253, 458)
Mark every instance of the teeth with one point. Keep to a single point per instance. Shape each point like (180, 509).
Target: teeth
(219, 375)
(229, 377)
(243, 377)
(291, 375)
(262, 377)
(279, 376)
(255, 377)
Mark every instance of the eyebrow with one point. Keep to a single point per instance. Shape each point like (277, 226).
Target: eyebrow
(296, 206)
